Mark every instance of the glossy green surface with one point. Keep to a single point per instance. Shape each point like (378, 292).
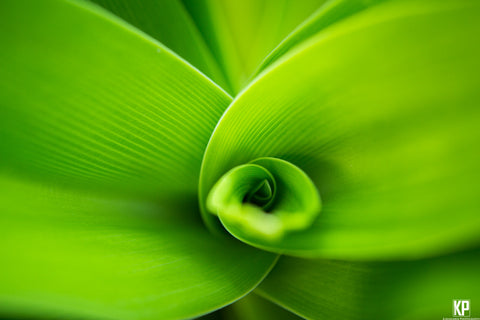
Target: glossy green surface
(423, 289)
(262, 201)
(386, 134)
(100, 104)
(169, 22)
(71, 253)
(118, 130)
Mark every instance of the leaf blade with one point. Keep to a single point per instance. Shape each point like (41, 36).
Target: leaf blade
(384, 163)
(240, 34)
(421, 289)
(169, 23)
(328, 14)
(68, 253)
(88, 100)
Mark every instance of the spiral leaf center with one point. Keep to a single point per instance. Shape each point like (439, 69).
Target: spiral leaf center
(265, 199)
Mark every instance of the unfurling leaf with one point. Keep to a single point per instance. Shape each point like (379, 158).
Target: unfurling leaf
(133, 186)
(263, 200)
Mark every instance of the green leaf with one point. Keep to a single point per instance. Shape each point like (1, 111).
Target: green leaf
(75, 254)
(381, 111)
(330, 13)
(254, 307)
(241, 33)
(329, 289)
(88, 100)
(264, 200)
(169, 22)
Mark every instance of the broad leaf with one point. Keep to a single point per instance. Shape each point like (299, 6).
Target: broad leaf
(264, 199)
(328, 289)
(87, 100)
(78, 255)
(381, 111)
(241, 33)
(254, 307)
(169, 22)
(328, 14)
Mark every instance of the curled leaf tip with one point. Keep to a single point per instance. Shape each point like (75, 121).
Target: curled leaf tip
(264, 199)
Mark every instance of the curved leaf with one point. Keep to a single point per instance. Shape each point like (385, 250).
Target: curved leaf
(88, 100)
(254, 307)
(330, 13)
(322, 289)
(71, 254)
(264, 200)
(381, 111)
(169, 22)
(241, 33)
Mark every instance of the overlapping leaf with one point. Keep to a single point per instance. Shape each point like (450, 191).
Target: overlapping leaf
(379, 107)
(381, 111)
(74, 254)
(241, 33)
(328, 14)
(88, 100)
(321, 289)
(254, 307)
(113, 124)
(170, 23)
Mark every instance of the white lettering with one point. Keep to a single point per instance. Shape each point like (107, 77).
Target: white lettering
(465, 306)
(456, 305)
